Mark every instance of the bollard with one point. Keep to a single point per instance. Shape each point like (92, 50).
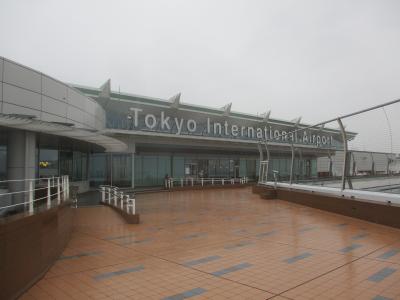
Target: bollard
(181, 182)
(48, 193)
(115, 197)
(121, 195)
(58, 191)
(30, 197)
(109, 195)
(202, 182)
(223, 182)
(212, 181)
(192, 181)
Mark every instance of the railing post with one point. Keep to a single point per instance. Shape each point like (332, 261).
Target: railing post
(103, 194)
(48, 193)
(121, 195)
(67, 185)
(345, 170)
(109, 195)
(133, 205)
(171, 182)
(58, 191)
(202, 182)
(223, 181)
(212, 181)
(30, 197)
(291, 164)
(192, 181)
(128, 204)
(115, 197)
(181, 182)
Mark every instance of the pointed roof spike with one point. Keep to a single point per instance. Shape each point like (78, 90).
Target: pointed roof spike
(105, 90)
(175, 100)
(227, 109)
(265, 116)
(296, 121)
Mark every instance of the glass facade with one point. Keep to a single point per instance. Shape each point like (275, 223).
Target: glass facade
(59, 156)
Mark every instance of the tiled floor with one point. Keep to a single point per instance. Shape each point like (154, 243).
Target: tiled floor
(224, 244)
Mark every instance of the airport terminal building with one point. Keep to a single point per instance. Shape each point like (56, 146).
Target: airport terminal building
(97, 136)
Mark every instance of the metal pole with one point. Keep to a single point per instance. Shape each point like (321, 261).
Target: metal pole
(291, 164)
(345, 156)
(30, 197)
(48, 193)
(103, 194)
(58, 191)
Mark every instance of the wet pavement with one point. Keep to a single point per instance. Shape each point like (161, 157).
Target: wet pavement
(223, 244)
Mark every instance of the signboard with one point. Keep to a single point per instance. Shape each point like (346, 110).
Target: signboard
(206, 126)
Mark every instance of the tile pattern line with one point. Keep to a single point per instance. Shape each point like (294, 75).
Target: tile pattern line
(337, 268)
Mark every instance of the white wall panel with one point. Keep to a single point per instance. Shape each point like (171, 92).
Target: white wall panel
(75, 114)
(15, 109)
(21, 76)
(19, 96)
(381, 162)
(55, 107)
(1, 68)
(54, 89)
(52, 118)
(76, 99)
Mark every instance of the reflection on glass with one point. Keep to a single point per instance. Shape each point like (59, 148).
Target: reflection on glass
(48, 163)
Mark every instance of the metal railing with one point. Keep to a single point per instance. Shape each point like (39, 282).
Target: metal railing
(23, 194)
(191, 181)
(366, 158)
(112, 195)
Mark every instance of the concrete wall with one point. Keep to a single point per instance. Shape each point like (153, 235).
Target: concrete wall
(362, 209)
(29, 245)
(28, 92)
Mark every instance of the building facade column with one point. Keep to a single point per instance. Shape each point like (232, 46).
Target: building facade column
(21, 162)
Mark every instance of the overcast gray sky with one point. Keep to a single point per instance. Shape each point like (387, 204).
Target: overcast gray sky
(317, 59)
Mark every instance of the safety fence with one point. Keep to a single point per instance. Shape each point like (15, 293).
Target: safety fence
(27, 194)
(191, 181)
(113, 196)
(359, 151)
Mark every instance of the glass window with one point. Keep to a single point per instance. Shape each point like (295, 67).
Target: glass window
(100, 169)
(121, 170)
(3, 164)
(66, 163)
(48, 163)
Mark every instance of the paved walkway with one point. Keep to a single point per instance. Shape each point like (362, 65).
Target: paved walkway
(223, 244)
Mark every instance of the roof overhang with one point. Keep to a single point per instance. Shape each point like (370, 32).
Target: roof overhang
(23, 122)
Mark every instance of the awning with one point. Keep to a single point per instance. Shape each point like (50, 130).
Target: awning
(26, 122)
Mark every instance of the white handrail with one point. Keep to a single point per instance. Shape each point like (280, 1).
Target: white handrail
(61, 184)
(109, 192)
(169, 182)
